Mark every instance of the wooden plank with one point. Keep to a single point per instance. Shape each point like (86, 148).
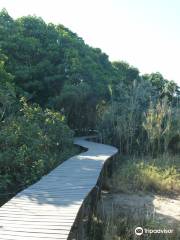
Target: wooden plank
(47, 209)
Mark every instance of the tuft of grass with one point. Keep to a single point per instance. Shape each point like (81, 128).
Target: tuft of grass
(123, 228)
(160, 175)
(120, 225)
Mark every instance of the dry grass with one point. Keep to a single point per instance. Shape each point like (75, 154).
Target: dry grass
(122, 228)
(160, 175)
(120, 224)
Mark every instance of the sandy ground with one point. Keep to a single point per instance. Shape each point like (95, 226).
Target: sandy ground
(164, 209)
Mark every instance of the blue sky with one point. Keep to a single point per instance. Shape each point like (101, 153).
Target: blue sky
(145, 33)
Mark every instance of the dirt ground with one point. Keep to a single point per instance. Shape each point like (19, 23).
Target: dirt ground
(163, 209)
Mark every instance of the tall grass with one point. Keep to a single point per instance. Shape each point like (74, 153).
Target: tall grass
(122, 227)
(160, 175)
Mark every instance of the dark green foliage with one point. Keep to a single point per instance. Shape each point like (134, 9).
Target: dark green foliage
(32, 143)
(162, 86)
(46, 60)
(7, 90)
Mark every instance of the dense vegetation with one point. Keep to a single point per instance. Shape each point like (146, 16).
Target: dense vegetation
(52, 83)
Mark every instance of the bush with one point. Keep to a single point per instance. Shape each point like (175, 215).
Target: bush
(32, 143)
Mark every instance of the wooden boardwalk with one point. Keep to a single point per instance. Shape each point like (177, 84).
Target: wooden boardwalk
(47, 209)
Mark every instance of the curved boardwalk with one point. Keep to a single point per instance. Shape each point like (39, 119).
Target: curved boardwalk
(48, 209)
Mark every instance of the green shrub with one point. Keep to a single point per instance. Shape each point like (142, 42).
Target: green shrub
(32, 143)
